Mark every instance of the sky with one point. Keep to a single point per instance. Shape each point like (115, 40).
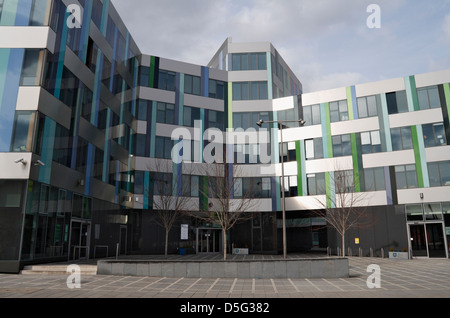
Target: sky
(327, 43)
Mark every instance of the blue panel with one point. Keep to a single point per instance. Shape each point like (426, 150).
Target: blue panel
(10, 69)
(89, 170)
(23, 13)
(47, 150)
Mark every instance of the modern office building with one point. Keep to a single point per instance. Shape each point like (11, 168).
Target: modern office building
(87, 118)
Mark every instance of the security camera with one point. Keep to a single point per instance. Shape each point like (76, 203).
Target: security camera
(22, 161)
(39, 163)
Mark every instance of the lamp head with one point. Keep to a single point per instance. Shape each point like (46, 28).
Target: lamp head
(260, 123)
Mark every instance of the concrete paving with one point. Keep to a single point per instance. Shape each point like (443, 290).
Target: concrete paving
(418, 278)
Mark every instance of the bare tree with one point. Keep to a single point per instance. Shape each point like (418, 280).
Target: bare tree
(345, 208)
(169, 203)
(229, 203)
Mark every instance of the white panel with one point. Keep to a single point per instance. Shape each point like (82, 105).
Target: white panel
(437, 153)
(354, 126)
(247, 76)
(329, 164)
(374, 88)
(242, 106)
(410, 196)
(12, 170)
(421, 117)
(305, 203)
(301, 133)
(204, 102)
(395, 158)
(364, 199)
(285, 103)
(435, 78)
(24, 37)
(324, 96)
(142, 127)
(28, 98)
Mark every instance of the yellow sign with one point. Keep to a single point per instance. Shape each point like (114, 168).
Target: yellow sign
(357, 240)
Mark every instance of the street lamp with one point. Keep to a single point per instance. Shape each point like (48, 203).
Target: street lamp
(283, 195)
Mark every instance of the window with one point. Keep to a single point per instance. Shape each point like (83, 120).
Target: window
(249, 120)
(374, 179)
(406, 177)
(401, 138)
(144, 76)
(62, 151)
(341, 146)
(414, 212)
(439, 173)
(250, 91)
(432, 211)
(339, 111)
(163, 147)
(192, 85)
(428, 97)
(316, 183)
(252, 187)
(397, 102)
(162, 183)
(215, 119)
(31, 75)
(143, 109)
(165, 113)
(370, 142)
(190, 186)
(434, 135)
(368, 106)
(23, 131)
(38, 16)
(190, 115)
(166, 80)
(216, 89)
(140, 145)
(314, 148)
(344, 181)
(249, 61)
(311, 115)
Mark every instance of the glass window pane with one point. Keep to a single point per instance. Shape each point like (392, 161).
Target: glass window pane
(434, 97)
(316, 120)
(188, 84)
(414, 212)
(307, 115)
(22, 131)
(262, 61)
(380, 183)
(402, 102)
(30, 76)
(432, 211)
(237, 94)
(406, 138)
(434, 175)
(423, 99)
(194, 186)
(362, 107)
(196, 86)
(444, 168)
(439, 131)
(372, 106)
(263, 90)
(309, 148)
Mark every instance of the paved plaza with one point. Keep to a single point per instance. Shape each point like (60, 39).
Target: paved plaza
(425, 278)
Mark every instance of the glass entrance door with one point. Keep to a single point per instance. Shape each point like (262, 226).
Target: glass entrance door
(435, 239)
(427, 240)
(209, 240)
(79, 240)
(418, 240)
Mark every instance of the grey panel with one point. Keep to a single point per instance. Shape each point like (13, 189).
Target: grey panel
(180, 67)
(54, 108)
(156, 95)
(91, 134)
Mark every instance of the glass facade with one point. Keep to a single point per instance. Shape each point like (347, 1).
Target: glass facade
(106, 113)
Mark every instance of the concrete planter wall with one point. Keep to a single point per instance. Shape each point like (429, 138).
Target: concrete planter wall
(301, 268)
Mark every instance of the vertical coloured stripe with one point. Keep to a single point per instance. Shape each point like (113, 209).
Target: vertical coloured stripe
(385, 129)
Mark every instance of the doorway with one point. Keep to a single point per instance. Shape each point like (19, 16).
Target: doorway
(209, 240)
(427, 240)
(79, 240)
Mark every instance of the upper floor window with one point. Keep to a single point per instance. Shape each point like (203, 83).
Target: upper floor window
(166, 80)
(434, 135)
(401, 138)
(339, 111)
(370, 142)
(311, 115)
(216, 89)
(428, 97)
(249, 61)
(368, 106)
(250, 91)
(192, 85)
(397, 102)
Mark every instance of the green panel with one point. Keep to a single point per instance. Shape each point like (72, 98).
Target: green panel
(330, 191)
(447, 97)
(417, 156)
(151, 77)
(357, 160)
(301, 186)
(385, 130)
(351, 115)
(326, 131)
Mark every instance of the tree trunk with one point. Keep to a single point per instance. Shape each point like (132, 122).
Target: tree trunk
(343, 244)
(224, 245)
(166, 244)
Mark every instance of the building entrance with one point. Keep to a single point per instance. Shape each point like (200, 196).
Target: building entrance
(80, 240)
(427, 240)
(209, 240)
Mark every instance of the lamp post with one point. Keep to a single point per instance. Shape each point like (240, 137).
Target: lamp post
(283, 195)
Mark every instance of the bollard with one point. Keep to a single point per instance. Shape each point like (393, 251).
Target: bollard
(117, 251)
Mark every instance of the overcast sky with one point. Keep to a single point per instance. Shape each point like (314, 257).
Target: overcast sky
(327, 43)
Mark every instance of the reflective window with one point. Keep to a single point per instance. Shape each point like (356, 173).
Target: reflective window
(316, 183)
(439, 173)
(406, 177)
(314, 148)
(341, 146)
(401, 138)
(428, 97)
(192, 85)
(371, 142)
(434, 135)
(32, 66)
(374, 179)
(397, 102)
(249, 61)
(414, 212)
(432, 211)
(166, 80)
(23, 131)
(165, 113)
(216, 89)
(250, 91)
(163, 147)
(311, 115)
(339, 111)
(368, 106)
